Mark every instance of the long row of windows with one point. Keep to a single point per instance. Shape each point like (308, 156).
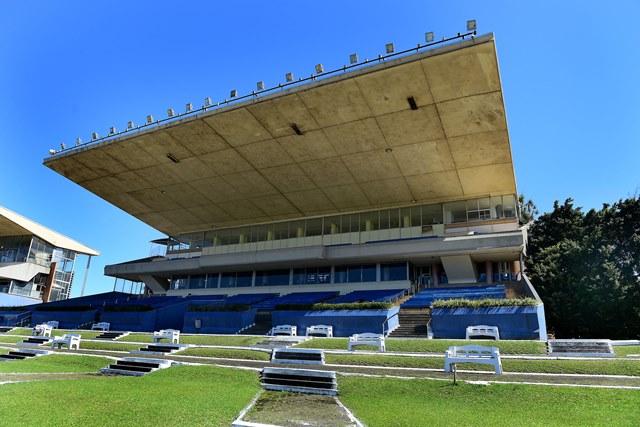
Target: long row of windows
(294, 276)
(484, 209)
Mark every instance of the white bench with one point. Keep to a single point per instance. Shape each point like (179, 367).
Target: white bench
(41, 330)
(284, 330)
(70, 340)
(101, 326)
(367, 339)
(483, 331)
(53, 323)
(473, 354)
(320, 331)
(173, 335)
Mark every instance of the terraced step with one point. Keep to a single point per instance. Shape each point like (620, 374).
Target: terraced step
(22, 354)
(160, 349)
(5, 329)
(299, 381)
(135, 366)
(298, 356)
(111, 335)
(581, 348)
(36, 341)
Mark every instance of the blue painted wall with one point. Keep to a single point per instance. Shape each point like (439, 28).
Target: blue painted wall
(218, 322)
(514, 323)
(67, 319)
(171, 317)
(142, 321)
(345, 322)
(10, 318)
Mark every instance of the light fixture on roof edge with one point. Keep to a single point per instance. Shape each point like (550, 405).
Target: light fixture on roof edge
(233, 94)
(112, 130)
(170, 112)
(353, 58)
(471, 25)
(260, 86)
(94, 136)
(188, 108)
(207, 102)
(319, 69)
(429, 37)
(149, 119)
(78, 141)
(288, 77)
(52, 151)
(130, 125)
(390, 48)
(62, 146)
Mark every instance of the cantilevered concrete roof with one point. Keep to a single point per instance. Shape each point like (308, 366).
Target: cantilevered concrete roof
(362, 147)
(13, 224)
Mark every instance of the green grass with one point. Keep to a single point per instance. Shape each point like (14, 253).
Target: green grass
(87, 335)
(624, 350)
(184, 396)
(108, 345)
(10, 340)
(552, 366)
(228, 340)
(225, 353)
(432, 346)
(396, 402)
(55, 363)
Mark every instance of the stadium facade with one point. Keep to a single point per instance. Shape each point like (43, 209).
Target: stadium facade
(394, 174)
(36, 263)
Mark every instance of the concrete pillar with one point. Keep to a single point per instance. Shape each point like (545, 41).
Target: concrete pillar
(435, 278)
(300, 232)
(489, 269)
(269, 234)
(368, 225)
(217, 241)
(406, 221)
(243, 238)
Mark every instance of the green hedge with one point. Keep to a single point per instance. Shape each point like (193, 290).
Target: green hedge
(237, 307)
(340, 306)
(488, 302)
(13, 308)
(128, 308)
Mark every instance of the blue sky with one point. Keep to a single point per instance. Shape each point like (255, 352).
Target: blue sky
(569, 71)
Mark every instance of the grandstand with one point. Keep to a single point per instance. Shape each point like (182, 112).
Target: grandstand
(376, 182)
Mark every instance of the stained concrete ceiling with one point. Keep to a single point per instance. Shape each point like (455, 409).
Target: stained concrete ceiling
(362, 147)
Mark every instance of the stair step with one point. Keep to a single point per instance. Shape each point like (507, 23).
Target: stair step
(12, 357)
(122, 367)
(22, 353)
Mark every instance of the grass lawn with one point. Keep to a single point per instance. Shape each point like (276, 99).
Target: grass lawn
(226, 353)
(108, 345)
(10, 340)
(395, 402)
(229, 340)
(432, 346)
(624, 350)
(593, 367)
(55, 363)
(83, 334)
(184, 395)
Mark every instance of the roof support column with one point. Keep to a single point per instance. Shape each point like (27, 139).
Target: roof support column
(86, 273)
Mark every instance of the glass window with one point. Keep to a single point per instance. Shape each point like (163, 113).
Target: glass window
(394, 218)
(369, 273)
(432, 214)
(272, 278)
(197, 281)
(212, 280)
(509, 204)
(340, 274)
(393, 271)
(332, 225)
(354, 274)
(455, 212)
(244, 278)
(228, 280)
(314, 227)
(179, 282)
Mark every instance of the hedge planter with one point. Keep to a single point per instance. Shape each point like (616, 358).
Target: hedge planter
(514, 323)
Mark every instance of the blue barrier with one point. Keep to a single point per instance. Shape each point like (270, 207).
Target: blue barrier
(137, 321)
(345, 322)
(217, 322)
(66, 319)
(514, 323)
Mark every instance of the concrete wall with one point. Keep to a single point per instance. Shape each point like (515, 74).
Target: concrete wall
(344, 322)
(218, 322)
(514, 323)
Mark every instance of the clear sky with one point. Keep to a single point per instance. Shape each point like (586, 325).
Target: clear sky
(569, 71)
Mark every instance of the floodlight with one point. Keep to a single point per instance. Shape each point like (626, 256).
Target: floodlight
(62, 146)
(429, 37)
(234, 94)
(112, 130)
(130, 125)
(149, 119)
(207, 102)
(319, 69)
(289, 77)
(260, 86)
(94, 136)
(78, 141)
(353, 58)
(390, 48)
(189, 108)
(170, 112)
(52, 151)
(471, 25)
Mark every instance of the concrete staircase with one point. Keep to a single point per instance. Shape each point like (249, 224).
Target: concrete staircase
(262, 326)
(160, 349)
(5, 329)
(581, 348)
(413, 324)
(111, 335)
(22, 354)
(36, 341)
(299, 381)
(135, 366)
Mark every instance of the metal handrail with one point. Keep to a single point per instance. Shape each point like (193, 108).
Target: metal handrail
(386, 321)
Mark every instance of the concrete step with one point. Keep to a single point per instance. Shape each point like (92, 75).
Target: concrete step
(299, 381)
(581, 348)
(298, 356)
(135, 366)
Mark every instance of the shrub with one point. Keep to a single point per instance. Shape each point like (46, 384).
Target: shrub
(128, 308)
(339, 306)
(237, 307)
(13, 308)
(488, 302)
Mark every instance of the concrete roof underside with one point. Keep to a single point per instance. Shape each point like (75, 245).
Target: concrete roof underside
(244, 163)
(13, 224)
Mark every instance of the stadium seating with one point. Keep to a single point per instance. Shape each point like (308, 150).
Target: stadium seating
(382, 295)
(295, 298)
(426, 297)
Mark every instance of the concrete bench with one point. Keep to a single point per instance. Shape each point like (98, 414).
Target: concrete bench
(70, 340)
(483, 331)
(53, 323)
(284, 330)
(473, 354)
(101, 326)
(320, 331)
(41, 330)
(367, 339)
(173, 335)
